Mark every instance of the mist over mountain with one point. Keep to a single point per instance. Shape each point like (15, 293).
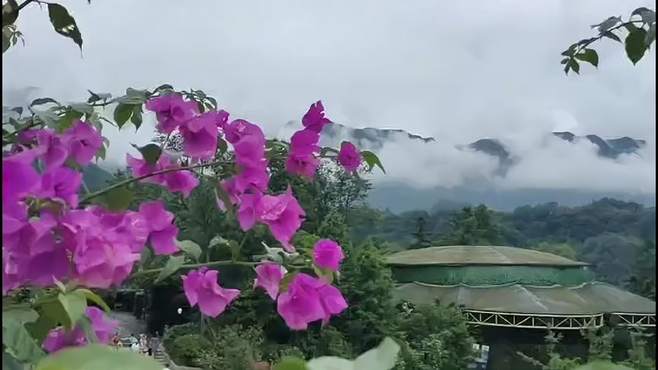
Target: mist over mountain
(504, 173)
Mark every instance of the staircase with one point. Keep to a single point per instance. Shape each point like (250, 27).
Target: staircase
(160, 356)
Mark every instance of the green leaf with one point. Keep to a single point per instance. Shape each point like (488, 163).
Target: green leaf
(133, 97)
(41, 101)
(66, 121)
(324, 274)
(590, 56)
(9, 12)
(122, 113)
(118, 199)
(630, 27)
(217, 240)
(611, 36)
(95, 298)
(212, 101)
(564, 61)
(19, 343)
(136, 117)
(191, 248)
(648, 16)
(82, 108)
(94, 97)
(49, 117)
(9, 362)
(290, 363)
(372, 160)
(285, 282)
(64, 24)
(74, 305)
(164, 87)
(383, 357)
(97, 357)
(222, 145)
(573, 65)
(90, 333)
(635, 46)
(22, 316)
(173, 264)
(607, 24)
(150, 152)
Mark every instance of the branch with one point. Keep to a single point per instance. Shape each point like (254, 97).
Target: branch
(24, 4)
(86, 199)
(197, 265)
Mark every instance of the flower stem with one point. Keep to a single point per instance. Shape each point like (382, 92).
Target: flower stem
(197, 265)
(86, 199)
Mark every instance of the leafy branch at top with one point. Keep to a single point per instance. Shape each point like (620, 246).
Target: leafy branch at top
(62, 21)
(641, 33)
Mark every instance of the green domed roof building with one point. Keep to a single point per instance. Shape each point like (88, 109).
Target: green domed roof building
(515, 292)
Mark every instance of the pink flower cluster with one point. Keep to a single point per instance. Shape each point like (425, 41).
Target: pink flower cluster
(182, 181)
(95, 247)
(102, 326)
(246, 190)
(302, 159)
(307, 299)
(201, 287)
(48, 238)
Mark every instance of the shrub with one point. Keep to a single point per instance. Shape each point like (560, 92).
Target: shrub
(436, 337)
(233, 347)
(187, 349)
(177, 331)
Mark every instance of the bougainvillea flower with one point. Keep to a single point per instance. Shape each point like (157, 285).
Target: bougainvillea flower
(200, 135)
(314, 118)
(252, 178)
(283, 215)
(102, 325)
(304, 165)
(35, 254)
(49, 261)
(349, 157)
(59, 338)
(247, 215)
(327, 254)
(18, 176)
(233, 195)
(162, 231)
(309, 299)
(238, 128)
(250, 151)
(54, 149)
(83, 142)
(100, 262)
(268, 277)
(61, 183)
(171, 111)
(332, 301)
(305, 142)
(201, 287)
(182, 181)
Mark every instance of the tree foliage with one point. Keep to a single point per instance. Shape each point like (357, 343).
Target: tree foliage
(639, 30)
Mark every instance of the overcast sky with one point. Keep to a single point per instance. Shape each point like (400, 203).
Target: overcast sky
(455, 70)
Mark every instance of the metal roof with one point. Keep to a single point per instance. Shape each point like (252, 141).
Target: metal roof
(586, 299)
(478, 255)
